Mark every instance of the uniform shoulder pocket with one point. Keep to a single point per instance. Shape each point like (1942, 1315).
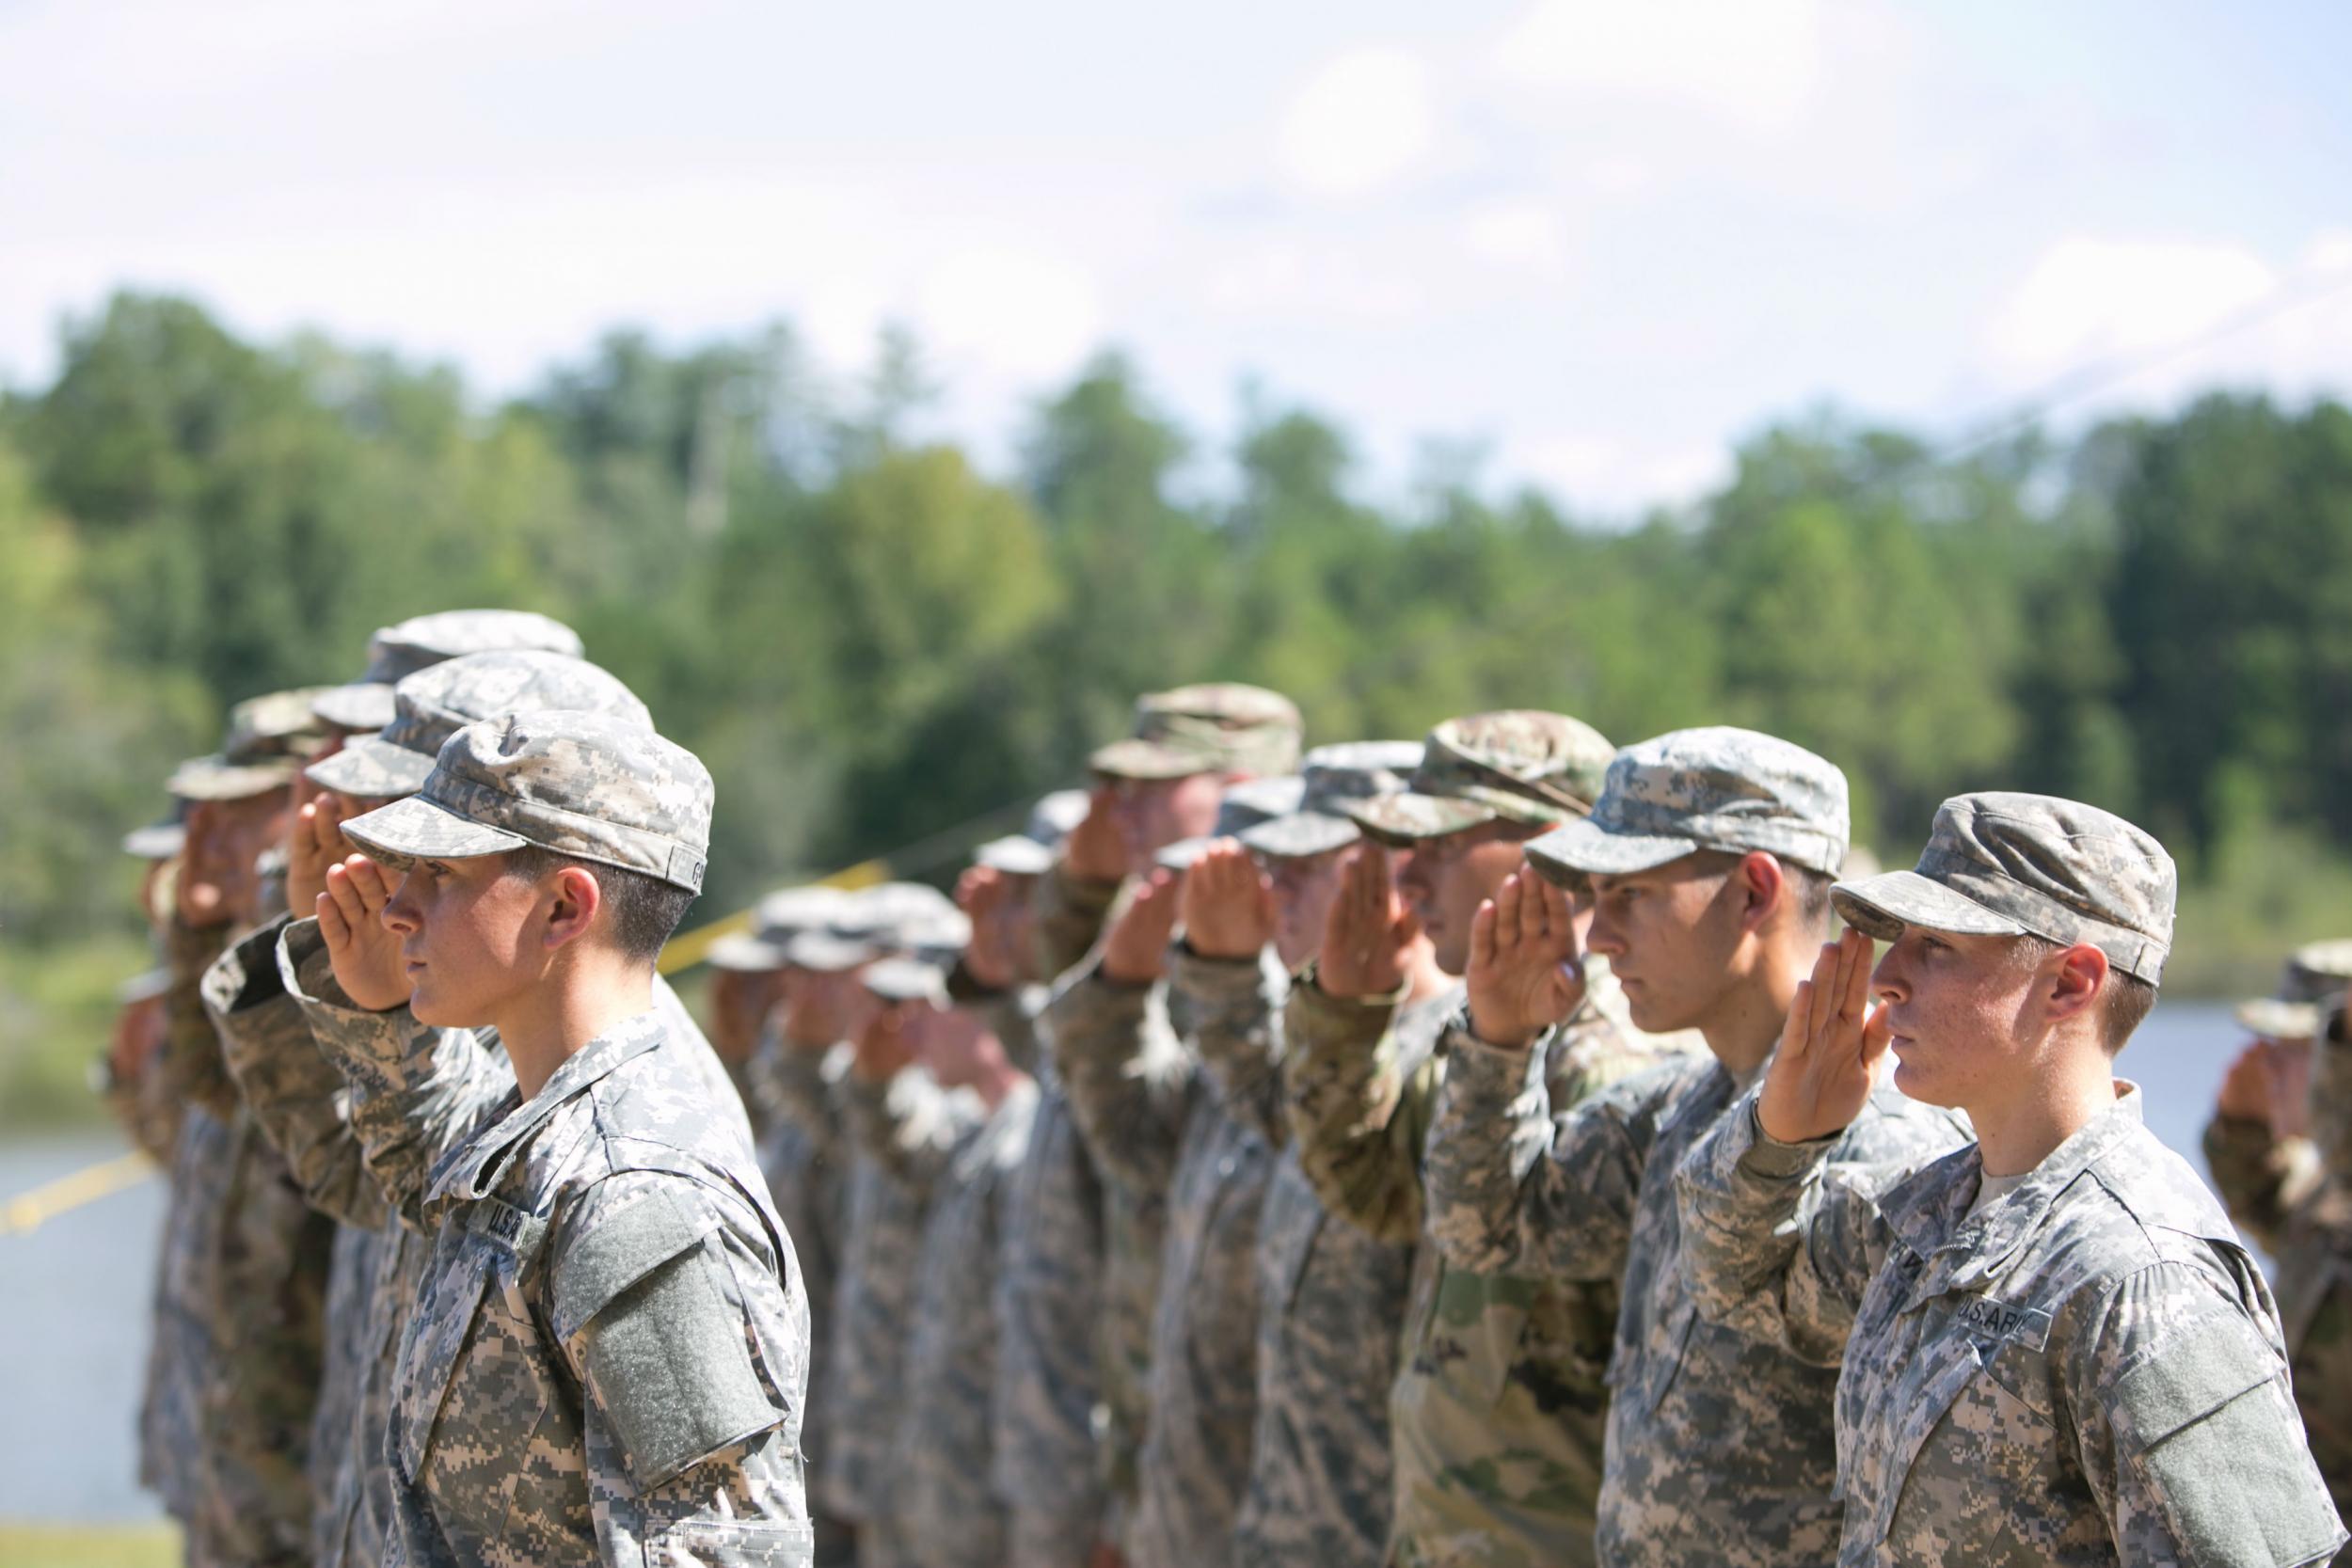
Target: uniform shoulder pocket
(665, 1348)
(2208, 1424)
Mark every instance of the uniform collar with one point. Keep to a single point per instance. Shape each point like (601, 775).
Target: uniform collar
(480, 1163)
(1929, 1210)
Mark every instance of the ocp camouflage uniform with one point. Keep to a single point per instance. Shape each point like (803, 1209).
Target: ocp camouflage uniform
(2088, 1371)
(939, 1509)
(1498, 1411)
(1719, 1448)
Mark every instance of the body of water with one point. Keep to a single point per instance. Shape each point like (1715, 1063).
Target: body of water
(75, 1294)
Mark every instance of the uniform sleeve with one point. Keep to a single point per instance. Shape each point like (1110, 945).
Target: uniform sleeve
(148, 1116)
(908, 1126)
(1777, 1243)
(1128, 1077)
(2188, 1429)
(194, 1072)
(1511, 1190)
(1230, 1011)
(1354, 1107)
(689, 1341)
(2332, 1101)
(2251, 1170)
(1069, 919)
(416, 1091)
(295, 1094)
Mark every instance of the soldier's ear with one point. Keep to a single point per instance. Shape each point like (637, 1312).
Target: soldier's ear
(576, 897)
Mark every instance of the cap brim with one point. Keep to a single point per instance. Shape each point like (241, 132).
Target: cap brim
(361, 706)
(825, 952)
(1579, 848)
(1404, 819)
(1301, 835)
(1016, 856)
(157, 841)
(211, 779)
(1148, 760)
(2274, 1020)
(372, 767)
(414, 829)
(744, 955)
(1181, 855)
(1880, 907)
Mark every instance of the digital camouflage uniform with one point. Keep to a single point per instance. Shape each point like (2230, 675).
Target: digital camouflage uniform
(2086, 1370)
(1720, 1449)
(241, 1287)
(2295, 1195)
(609, 1357)
(777, 920)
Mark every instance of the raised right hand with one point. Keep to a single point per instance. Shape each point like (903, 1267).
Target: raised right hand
(1096, 850)
(1136, 951)
(981, 893)
(366, 956)
(1369, 934)
(1524, 971)
(1830, 1048)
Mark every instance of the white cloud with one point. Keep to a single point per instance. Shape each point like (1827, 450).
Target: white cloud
(2087, 298)
(1289, 280)
(1528, 235)
(1614, 475)
(1359, 123)
(1020, 312)
(1753, 62)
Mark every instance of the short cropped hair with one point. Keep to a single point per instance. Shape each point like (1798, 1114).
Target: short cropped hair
(2125, 1003)
(1808, 889)
(645, 910)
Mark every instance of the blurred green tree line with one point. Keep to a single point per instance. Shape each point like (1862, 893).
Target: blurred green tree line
(869, 637)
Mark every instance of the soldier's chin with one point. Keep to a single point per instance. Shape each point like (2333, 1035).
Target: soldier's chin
(1915, 1078)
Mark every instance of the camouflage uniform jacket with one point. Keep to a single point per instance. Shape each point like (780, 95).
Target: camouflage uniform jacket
(1049, 1291)
(608, 1358)
(806, 1168)
(1498, 1411)
(2090, 1370)
(874, 1294)
(2297, 1198)
(1096, 1027)
(1194, 1464)
(240, 1314)
(939, 1488)
(1719, 1448)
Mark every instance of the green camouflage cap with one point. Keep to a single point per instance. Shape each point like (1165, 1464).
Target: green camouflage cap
(1332, 778)
(2004, 864)
(397, 652)
(585, 784)
(2315, 978)
(1245, 806)
(1222, 728)
(1715, 788)
(268, 740)
(437, 701)
(1518, 764)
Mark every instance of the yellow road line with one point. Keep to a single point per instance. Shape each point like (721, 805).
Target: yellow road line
(26, 1212)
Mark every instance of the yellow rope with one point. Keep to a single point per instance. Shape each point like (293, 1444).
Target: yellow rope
(26, 1212)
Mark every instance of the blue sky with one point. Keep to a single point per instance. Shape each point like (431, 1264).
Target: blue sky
(1607, 239)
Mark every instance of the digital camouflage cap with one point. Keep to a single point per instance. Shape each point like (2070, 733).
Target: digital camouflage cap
(1516, 764)
(2314, 980)
(585, 784)
(267, 741)
(1030, 852)
(1715, 788)
(1221, 728)
(1332, 778)
(2006, 865)
(776, 921)
(437, 701)
(397, 652)
(1245, 805)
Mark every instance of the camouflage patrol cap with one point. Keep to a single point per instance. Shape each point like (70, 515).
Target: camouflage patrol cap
(1516, 764)
(437, 701)
(1715, 788)
(268, 740)
(157, 841)
(2314, 977)
(2006, 865)
(1332, 778)
(1220, 728)
(1245, 806)
(587, 785)
(776, 921)
(1030, 852)
(828, 952)
(397, 652)
(904, 979)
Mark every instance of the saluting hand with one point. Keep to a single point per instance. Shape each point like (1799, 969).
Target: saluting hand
(882, 1049)
(1096, 850)
(1525, 974)
(1136, 951)
(316, 842)
(1830, 1049)
(1369, 933)
(366, 956)
(981, 893)
(1227, 904)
